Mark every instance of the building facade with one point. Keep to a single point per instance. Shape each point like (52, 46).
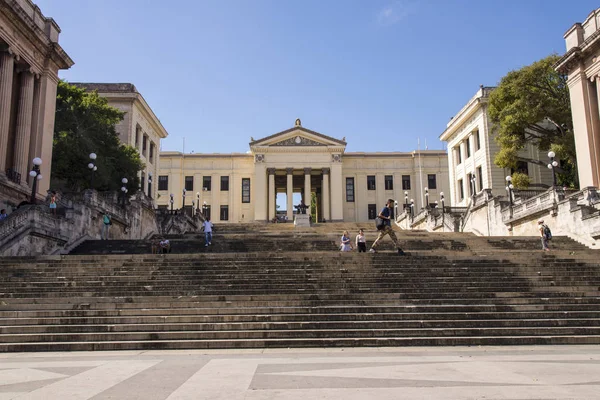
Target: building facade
(348, 186)
(30, 58)
(581, 63)
(139, 128)
(471, 153)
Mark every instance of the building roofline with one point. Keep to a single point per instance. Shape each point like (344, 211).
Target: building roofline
(298, 127)
(481, 96)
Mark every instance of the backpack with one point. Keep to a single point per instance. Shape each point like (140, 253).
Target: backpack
(547, 232)
(379, 224)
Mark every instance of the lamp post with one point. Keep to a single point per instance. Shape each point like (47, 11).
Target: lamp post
(405, 201)
(124, 189)
(443, 208)
(412, 210)
(183, 197)
(198, 202)
(426, 198)
(509, 189)
(436, 204)
(204, 208)
(553, 164)
(93, 168)
(395, 209)
(193, 207)
(150, 184)
(171, 201)
(35, 175)
(473, 185)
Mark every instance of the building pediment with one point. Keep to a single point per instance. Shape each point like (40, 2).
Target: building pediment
(297, 136)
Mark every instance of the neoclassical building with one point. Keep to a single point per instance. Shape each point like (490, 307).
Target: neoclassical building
(472, 149)
(348, 186)
(30, 58)
(139, 128)
(581, 63)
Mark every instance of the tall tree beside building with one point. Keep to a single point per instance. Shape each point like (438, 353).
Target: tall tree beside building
(531, 105)
(85, 124)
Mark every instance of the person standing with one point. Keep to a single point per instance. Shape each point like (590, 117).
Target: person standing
(53, 202)
(386, 228)
(208, 228)
(3, 215)
(545, 234)
(346, 242)
(361, 242)
(106, 223)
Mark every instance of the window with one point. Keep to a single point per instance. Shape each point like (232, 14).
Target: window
(468, 147)
(206, 183)
(522, 167)
(405, 182)
(151, 155)
(143, 182)
(471, 182)
(431, 181)
(461, 190)
(389, 182)
(245, 190)
(144, 142)
(458, 155)
(477, 140)
(370, 182)
(224, 215)
(189, 183)
(163, 182)
(372, 211)
(137, 136)
(480, 177)
(350, 190)
(224, 183)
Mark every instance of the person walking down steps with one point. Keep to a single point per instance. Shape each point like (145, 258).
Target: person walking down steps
(384, 226)
(208, 228)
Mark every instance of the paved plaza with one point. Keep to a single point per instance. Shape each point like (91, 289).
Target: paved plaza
(543, 372)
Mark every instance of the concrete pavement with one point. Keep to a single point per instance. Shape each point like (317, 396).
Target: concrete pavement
(541, 372)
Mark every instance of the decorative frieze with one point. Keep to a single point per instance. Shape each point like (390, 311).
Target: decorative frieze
(259, 158)
(336, 158)
(298, 141)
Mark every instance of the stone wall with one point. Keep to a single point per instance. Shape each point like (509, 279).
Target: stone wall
(34, 230)
(575, 214)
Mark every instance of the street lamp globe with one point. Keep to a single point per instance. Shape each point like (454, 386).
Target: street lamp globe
(37, 161)
(39, 177)
(549, 166)
(95, 168)
(123, 189)
(511, 187)
(551, 154)
(91, 166)
(32, 174)
(124, 180)
(93, 156)
(555, 163)
(508, 178)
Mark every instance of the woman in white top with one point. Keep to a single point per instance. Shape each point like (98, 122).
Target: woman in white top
(346, 242)
(361, 242)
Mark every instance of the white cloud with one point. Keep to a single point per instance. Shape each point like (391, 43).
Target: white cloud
(395, 12)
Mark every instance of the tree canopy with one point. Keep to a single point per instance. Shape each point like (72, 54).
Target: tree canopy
(532, 105)
(85, 124)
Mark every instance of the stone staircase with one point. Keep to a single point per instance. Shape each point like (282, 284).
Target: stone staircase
(271, 286)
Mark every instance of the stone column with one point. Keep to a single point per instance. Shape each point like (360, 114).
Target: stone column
(290, 194)
(336, 192)
(307, 187)
(7, 64)
(259, 192)
(23, 131)
(272, 198)
(325, 194)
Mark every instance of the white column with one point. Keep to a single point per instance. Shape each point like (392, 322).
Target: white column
(23, 131)
(307, 186)
(272, 198)
(325, 194)
(290, 194)
(337, 191)
(7, 64)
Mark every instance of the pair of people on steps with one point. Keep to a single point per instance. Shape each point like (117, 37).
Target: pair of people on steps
(361, 242)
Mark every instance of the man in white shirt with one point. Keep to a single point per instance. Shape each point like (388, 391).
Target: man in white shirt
(208, 227)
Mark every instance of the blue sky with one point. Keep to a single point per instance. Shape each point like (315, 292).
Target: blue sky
(380, 73)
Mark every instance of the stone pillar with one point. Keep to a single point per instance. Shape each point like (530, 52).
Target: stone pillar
(290, 194)
(307, 187)
(23, 131)
(33, 141)
(259, 192)
(272, 198)
(325, 194)
(337, 191)
(7, 64)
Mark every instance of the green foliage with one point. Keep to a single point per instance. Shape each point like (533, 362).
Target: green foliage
(532, 105)
(85, 124)
(520, 180)
(313, 206)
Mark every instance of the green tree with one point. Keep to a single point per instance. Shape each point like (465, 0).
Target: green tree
(85, 124)
(531, 105)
